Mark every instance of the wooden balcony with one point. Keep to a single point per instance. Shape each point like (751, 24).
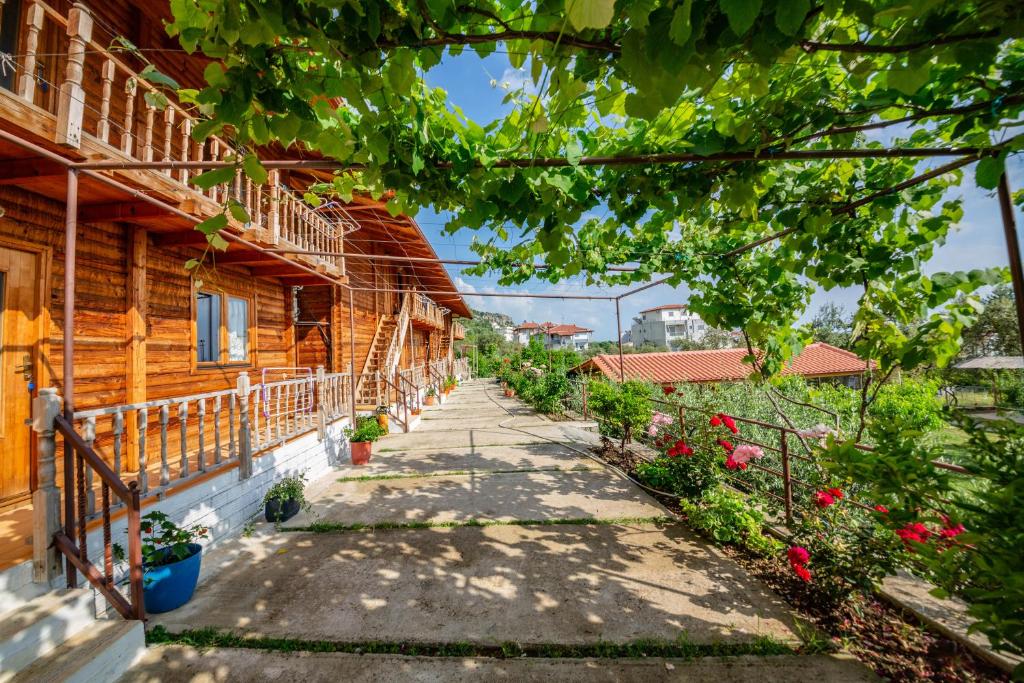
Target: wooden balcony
(458, 331)
(74, 96)
(427, 314)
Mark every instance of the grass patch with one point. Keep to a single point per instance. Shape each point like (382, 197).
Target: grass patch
(676, 649)
(461, 473)
(330, 527)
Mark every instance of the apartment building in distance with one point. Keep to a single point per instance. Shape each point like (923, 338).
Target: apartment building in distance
(665, 325)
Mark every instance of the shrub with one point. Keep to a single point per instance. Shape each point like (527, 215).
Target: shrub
(623, 408)
(547, 392)
(911, 404)
(729, 517)
(164, 542)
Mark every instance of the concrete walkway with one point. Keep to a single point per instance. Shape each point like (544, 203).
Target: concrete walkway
(602, 565)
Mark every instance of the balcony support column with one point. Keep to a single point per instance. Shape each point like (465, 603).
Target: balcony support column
(71, 105)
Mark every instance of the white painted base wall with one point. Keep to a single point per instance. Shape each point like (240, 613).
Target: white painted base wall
(224, 504)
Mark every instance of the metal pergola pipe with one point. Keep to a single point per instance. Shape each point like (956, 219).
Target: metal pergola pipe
(422, 259)
(557, 162)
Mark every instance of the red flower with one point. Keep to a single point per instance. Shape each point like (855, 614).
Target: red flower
(731, 464)
(914, 531)
(798, 555)
(823, 499)
(729, 423)
(716, 421)
(683, 448)
(952, 531)
(882, 509)
(836, 493)
(668, 390)
(802, 572)
(726, 445)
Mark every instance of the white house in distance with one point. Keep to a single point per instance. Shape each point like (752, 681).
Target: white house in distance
(663, 325)
(562, 336)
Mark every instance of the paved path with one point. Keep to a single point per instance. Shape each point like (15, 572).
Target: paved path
(452, 562)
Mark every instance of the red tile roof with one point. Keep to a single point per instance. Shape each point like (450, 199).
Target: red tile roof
(527, 326)
(666, 307)
(816, 360)
(565, 330)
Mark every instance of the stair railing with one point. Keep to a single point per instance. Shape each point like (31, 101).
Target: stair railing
(401, 402)
(398, 337)
(71, 539)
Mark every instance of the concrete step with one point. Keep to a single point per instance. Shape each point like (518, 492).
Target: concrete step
(41, 626)
(101, 653)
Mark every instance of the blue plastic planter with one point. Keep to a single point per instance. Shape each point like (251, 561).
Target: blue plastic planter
(170, 586)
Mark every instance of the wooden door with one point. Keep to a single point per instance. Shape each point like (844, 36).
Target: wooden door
(19, 334)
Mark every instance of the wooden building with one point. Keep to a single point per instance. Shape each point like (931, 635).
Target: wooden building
(173, 376)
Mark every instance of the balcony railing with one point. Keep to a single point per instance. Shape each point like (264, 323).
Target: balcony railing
(426, 313)
(99, 101)
(458, 330)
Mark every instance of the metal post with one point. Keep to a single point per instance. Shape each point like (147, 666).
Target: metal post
(1013, 251)
(70, 236)
(618, 325)
(352, 353)
(787, 480)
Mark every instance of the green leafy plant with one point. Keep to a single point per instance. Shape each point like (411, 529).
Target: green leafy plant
(431, 391)
(288, 488)
(450, 383)
(729, 517)
(164, 542)
(366, 429)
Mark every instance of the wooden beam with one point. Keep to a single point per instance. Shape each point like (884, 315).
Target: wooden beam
(135, 348)
(236, 255)
(25, 171)
(184, 238)
(299, 279)
(121, 211)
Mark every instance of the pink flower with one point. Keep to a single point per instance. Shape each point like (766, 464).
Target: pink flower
(798, 555)
(747, 452)
(823, 499)
(802, 572)
(652, 430)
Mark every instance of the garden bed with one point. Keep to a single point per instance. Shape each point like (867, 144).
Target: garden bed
(891, 642)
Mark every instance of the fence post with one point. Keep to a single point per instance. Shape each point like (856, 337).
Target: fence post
(682, 422)
(71, 104)
(787, 481)
(321, 415)
(244, 436)
(586, 413)
(46, 563)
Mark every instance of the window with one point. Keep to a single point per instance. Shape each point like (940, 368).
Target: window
(222, 328)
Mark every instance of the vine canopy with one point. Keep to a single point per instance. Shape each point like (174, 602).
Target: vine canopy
(576, 172)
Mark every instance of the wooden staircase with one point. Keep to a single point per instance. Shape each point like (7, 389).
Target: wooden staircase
(366, 387)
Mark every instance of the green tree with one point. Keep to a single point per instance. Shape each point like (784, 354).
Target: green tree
(995, 332)
(830, 325)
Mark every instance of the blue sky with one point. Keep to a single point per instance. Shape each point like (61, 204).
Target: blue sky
(476, 86)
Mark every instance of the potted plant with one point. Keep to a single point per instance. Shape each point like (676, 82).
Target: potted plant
(284, 499)
(449, 384)
(431, 395)
(361, 439)
(170, 562)
(382, 418)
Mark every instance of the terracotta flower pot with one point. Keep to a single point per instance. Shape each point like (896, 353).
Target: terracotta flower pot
(382, 422)
(361, 451)
(510, 393)
(428, 401)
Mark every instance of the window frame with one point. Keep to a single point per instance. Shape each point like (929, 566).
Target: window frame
(224, 350)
